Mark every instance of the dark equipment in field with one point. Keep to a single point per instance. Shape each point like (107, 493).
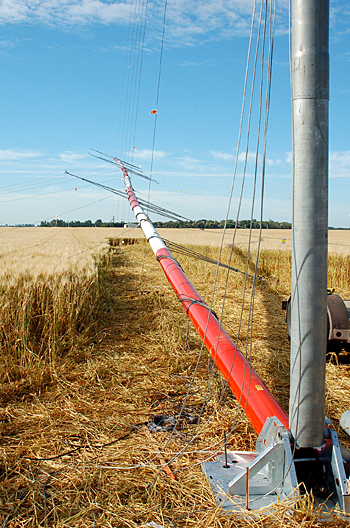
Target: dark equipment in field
(338, 322)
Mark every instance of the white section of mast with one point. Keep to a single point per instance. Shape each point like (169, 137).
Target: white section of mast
(150, 232)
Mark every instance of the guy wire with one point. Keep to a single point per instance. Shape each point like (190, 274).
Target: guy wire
(211, 361)
(157, 98)
(128, 90)
(195, 435)
(131, 126)
(123, 89)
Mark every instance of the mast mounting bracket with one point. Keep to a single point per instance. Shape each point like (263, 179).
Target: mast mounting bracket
(253, 480)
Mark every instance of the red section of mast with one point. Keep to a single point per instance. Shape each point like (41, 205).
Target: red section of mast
(255, 399)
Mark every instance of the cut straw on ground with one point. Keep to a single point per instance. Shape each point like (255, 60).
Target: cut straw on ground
(90, 358)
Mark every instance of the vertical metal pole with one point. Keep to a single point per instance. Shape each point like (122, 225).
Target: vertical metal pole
(310, 94)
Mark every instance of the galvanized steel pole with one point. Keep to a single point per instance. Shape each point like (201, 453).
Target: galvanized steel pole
(310, 94)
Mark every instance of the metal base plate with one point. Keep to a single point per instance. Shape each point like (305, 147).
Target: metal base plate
(219, 478)
(255, 480)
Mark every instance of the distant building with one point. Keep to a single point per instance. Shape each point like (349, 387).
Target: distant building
(131, 224)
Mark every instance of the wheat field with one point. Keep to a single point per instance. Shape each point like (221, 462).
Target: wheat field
(53, 250)
(94, 345)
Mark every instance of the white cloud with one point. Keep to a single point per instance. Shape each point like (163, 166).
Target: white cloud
(16, 155)
(189, 164)
(7, 44)
(70, 156)
(250, 157)
(205, 62)
(339, 20)
(146, 154)
(339, 164)
(222, 156)
(187, 21)
(273, 163)
(64, 11)
(190, 19)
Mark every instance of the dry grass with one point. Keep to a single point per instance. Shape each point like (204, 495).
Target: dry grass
(96, 354)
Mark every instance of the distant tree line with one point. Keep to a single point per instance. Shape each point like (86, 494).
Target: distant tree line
(78, 223)
(199, 224)
(219, 224)
(17, 225)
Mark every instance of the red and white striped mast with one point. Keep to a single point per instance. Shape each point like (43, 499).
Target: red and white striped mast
(255, 398)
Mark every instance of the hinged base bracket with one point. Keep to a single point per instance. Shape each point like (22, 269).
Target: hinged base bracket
(253, 480)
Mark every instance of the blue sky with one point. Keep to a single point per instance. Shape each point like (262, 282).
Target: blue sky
(64, 89)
